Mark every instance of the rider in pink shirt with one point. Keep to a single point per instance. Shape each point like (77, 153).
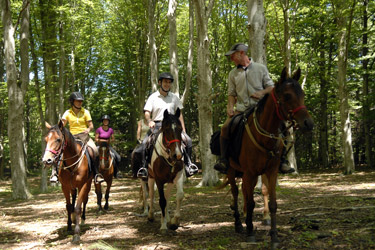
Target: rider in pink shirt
(106, 134)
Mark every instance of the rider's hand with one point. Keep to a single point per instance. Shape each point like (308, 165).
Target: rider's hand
(230, 112)
(257, 95)
(86, 131)
(151, 124)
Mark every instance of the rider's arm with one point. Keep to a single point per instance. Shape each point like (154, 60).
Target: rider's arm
(182, 122)
(150, 123)
(96, 137)
(64, 121)
(139, 130)
(230, 105)
(112, 137)
(259, 94)
(90, 127)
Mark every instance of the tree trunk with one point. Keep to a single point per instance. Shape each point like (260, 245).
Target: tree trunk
(34, 68)
(152, 45)
(343, 43)
(365, 109)
(62, 62)
(257, 30)
(189, 67)
(204, 76)
(173, 56)
(16, 93)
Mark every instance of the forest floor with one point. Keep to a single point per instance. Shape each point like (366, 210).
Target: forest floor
(315, 211)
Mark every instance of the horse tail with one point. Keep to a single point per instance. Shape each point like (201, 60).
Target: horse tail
(223, 184)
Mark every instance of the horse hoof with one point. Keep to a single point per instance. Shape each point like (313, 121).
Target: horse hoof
(75, 239)
(250, 238)
(164, 231)
(105, 207)
(239, 228)
(173, 227)
(266, 222)
(274, 245)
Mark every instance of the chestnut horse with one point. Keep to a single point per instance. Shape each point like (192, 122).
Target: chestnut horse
(74, 172)
(262, 147)
(167, 168)
(106, 168)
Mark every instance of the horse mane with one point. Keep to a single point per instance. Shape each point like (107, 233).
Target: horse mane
(66, 133)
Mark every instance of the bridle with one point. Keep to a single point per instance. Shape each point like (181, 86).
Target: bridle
(290, 114)
(106, 159)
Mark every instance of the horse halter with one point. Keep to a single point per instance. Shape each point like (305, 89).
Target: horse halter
(59, 152)
(290, 114)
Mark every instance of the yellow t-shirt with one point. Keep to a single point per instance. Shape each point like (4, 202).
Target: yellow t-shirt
(77, 122)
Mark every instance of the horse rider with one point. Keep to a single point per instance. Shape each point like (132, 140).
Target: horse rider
(80, 124)
(248, 82)
(154, 108)
(106, 134)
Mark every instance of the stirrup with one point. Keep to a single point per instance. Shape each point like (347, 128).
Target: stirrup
(192, 169)
(285, 169)
(98, 178)
(142, 173)
(54, 178)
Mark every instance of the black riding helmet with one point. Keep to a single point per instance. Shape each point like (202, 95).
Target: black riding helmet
(106, 117)
(75, 96)
(166, 75)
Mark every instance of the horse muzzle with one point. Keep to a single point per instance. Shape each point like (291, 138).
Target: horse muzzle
(47, 162)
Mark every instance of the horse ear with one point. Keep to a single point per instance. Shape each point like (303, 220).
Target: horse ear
(178, 111)
(297, 74)
(284, 75)
(61, 124)
(48, 126)
(166, 114)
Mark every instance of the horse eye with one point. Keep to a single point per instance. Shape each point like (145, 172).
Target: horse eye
(58, 140)
(287, 97)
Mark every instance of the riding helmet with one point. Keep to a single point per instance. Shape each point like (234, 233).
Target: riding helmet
(106, 117)
(75, 96)
(166, 75)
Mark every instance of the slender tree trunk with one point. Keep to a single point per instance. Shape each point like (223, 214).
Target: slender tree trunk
(189, 67)
(204, 76)
(34, 68)
(323, 140)
(343, 43)
(173, 55)
(62, 62)
(16, 93)
(152, 45)
(365, 109)
(2, 113)
(257, 30)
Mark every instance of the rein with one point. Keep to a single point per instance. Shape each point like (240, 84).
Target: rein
(263, 132)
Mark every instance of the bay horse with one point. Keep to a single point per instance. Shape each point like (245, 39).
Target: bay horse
(166, 167)
(262, 148)
(74, 174)
(106, 168)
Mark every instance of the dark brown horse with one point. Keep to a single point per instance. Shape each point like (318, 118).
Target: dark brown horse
(74, 174)
(167, 168)
(262, 147)
(107, 170)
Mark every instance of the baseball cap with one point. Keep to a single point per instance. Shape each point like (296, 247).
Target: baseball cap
(237, 47)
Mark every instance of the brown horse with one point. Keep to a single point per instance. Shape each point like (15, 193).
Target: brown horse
(262, 147)
(167, 168)
(74, 172)
(107, 170)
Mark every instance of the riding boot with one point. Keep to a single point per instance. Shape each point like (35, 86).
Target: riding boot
(142, 172)
(98, 176)
(222, 164)
(54, 177)
(190, 168)
(284, 167)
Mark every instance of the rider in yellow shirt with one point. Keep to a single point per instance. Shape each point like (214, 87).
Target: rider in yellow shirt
(80, 124)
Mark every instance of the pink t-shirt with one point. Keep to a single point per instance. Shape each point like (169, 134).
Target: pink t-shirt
(104, 134)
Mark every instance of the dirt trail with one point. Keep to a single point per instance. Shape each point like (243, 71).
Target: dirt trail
(315, 211)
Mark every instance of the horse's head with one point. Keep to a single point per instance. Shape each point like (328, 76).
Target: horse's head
(289, 100)
(171, 128)
(104, 154)
(55, 144)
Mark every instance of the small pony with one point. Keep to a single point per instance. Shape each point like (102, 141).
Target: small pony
(166, 167)
(106, 168)
(74, 172)
(262, 147)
